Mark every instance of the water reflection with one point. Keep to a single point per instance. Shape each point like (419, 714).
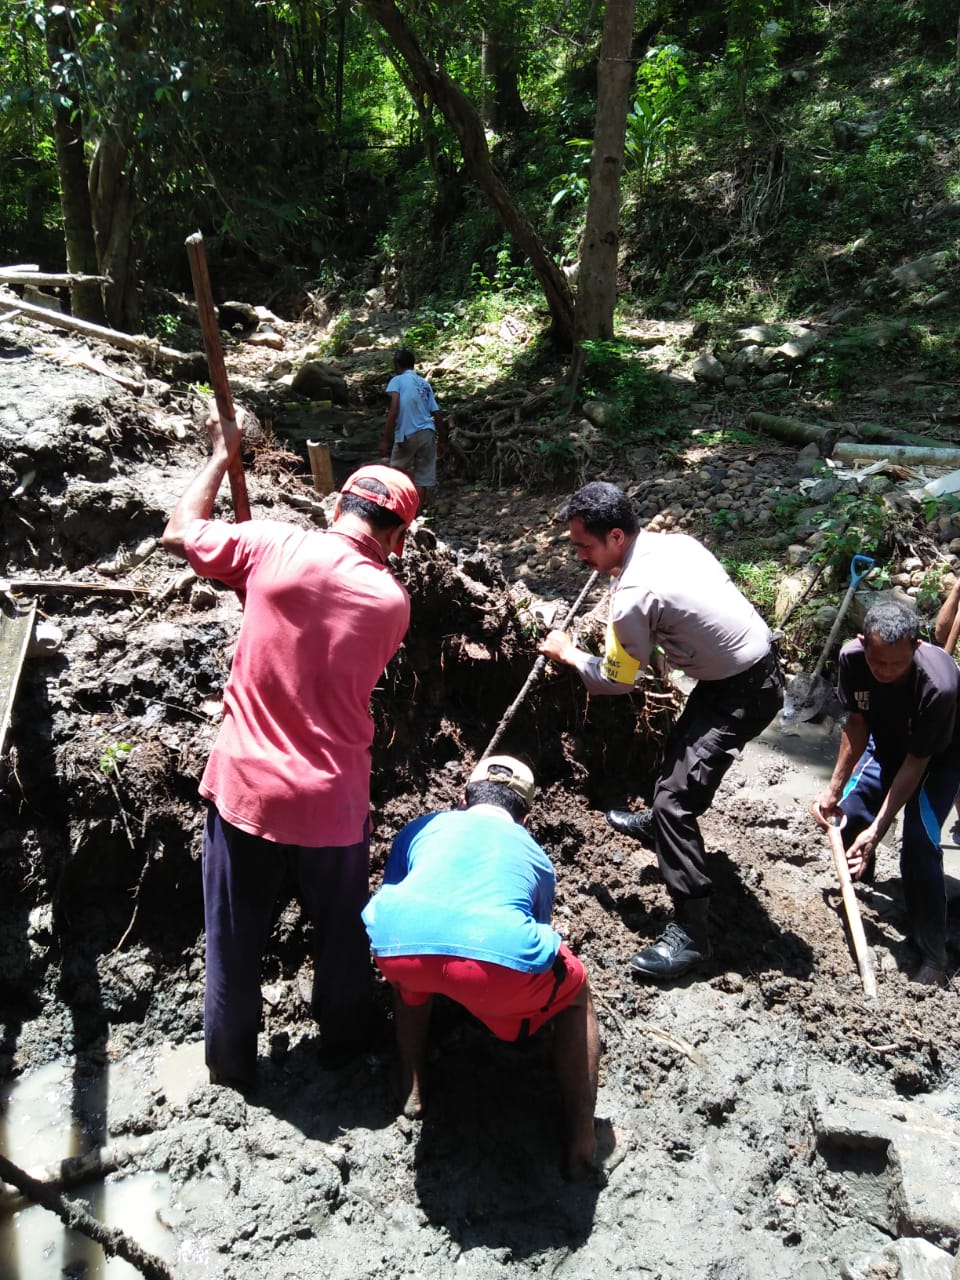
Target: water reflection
(54, 1113)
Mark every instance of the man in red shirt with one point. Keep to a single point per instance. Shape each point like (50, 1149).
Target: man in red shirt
(288, 780)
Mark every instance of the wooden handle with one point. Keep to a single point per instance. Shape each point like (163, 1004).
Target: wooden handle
(218, 370)
(954, 633)
(537, 671)
(852, 909)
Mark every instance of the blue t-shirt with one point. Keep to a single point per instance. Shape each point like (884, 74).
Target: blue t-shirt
(466, 883)
(417, 404)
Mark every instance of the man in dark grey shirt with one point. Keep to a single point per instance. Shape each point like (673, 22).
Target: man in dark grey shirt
(669, 591)
(899, 749)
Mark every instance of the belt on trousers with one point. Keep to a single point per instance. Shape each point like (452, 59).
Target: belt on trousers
(754, 676)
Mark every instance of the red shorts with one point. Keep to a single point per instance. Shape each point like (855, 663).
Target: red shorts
(510, 1003)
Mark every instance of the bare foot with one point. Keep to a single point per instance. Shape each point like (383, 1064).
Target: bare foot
(591, 1152)
(406, 1087)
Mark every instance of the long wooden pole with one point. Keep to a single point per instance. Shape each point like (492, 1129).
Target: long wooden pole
(535, 674)
(852, 909)
(218, 369)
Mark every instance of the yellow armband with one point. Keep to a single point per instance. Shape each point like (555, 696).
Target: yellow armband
(617, 664)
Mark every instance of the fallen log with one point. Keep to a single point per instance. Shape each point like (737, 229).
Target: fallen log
(113, 1241)
(149, 348)
(56, 280)
(789, 429)
(905, 454)
(796, 432)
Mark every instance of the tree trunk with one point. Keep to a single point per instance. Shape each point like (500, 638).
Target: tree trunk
(81, 252)
(113, 206)
(597, 284)
(502, 105)
(467, 125)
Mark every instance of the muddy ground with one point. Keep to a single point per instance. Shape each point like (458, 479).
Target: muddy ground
(768, 1120)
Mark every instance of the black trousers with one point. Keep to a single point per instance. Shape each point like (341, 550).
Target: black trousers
(242, 875)
(720, 717)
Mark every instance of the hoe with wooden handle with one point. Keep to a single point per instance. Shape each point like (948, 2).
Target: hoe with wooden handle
(218, 370)
(852, 909)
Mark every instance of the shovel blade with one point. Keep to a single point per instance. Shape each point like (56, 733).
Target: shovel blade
(804, 698)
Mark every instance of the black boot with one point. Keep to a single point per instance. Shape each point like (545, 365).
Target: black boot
(683, 945)
(639, 826)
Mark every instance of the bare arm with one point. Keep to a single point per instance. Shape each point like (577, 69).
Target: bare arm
(200, 495)
(946, 616)
(443, 431)
(558, 646)
(853, 742)
(386, 444)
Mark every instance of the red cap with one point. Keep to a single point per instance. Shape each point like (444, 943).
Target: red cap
(401, 496)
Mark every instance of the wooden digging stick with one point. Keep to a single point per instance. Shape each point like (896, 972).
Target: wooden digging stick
(535, 674)
(218, 370)
(852, 909)
(954, 633)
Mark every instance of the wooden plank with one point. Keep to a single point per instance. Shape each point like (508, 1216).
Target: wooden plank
(16, 628)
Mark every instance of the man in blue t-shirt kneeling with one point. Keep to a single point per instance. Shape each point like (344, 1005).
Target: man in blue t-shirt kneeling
(464, 912)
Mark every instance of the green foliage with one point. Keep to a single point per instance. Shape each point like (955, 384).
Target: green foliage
(857, 523)
(638, 397)
(114, 755)
(661, 110)
(758, 580)
(164, 326)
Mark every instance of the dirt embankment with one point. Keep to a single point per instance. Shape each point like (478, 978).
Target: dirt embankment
(749, 1105)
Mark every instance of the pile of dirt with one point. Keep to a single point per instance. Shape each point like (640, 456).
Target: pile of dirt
(730, 1153)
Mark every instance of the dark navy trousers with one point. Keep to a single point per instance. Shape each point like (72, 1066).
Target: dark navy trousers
(921, 858)
(242, 875)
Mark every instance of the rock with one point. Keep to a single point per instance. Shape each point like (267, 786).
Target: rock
(825, 616)
(920, 270)
(914, 1259)
(266, 338)
(799, 347)
(757, 335)
(317, 380)
(598, 412)
(898, 1161)
(707, 368)
(848, 132)
(46, 639)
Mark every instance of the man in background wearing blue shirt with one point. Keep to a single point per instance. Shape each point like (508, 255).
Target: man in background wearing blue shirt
(464, 912)
(415, 432)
